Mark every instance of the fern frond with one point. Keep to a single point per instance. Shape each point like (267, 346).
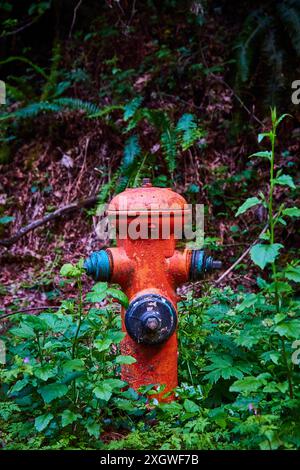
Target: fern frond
(132, 150)
(77, 104)
(106, 110)
(291, 19)
(131, 108)
(188, 131)
(32, 110)
(169, 145)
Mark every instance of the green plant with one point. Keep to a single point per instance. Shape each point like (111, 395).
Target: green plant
(62, 371)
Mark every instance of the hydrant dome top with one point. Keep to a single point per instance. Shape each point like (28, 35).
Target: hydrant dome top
(148, 199)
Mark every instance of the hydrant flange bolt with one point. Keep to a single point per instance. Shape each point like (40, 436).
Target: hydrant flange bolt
(150, 319)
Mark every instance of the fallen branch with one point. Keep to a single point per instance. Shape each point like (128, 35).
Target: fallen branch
(242, 256)
(53, 215)
(29, 309)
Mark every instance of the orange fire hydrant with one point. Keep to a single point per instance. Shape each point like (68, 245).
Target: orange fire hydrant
(149, 269)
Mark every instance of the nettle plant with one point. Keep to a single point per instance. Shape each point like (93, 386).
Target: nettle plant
(62, 370)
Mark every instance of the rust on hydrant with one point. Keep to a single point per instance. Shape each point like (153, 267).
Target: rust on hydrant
(149, 268)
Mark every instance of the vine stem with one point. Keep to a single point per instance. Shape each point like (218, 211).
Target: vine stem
(272, 221)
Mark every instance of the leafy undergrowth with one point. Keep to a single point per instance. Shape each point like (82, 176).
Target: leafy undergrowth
(61, 387)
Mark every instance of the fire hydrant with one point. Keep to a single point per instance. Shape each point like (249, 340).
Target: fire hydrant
(149, 269)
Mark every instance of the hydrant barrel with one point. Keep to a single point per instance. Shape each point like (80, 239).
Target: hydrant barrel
(149, 268)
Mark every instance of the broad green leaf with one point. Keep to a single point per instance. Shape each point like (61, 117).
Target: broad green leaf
(95, 296)
(116, 383)
(190, 406)
(264, 154)
(125, 360)
(93, 429)
(285, 180)
(250, 202)
(52, 391)
(45, 372)
(102, 344)
(100, 287)
(73, 364)
(289, 329)
(23, 331)
(41, 422)
(68, 417)
(69, 270)
(291, 212)
(103, 391)
(248, 384)
(119, 295)
(292, 273)
(19, 385)
(264, 254)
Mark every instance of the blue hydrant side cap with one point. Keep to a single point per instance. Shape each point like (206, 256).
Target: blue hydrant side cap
(201, 263)
(97, 265)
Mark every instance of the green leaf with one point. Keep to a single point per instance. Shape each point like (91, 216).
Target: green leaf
(100, 287)
(283, 116)
(69, 270)
(248, 384)
(118, 295)
(19, 385)
(116, 383)
(125, 360)
(103, 391)
(45, 372)
(291, 212)
(289, 329)
(41, 422)
(94, 297)
(250, 202)
(52, 391)
(102, 344)
(285, 180)
(73, 364)
(264, 154)
(222, 366)
(190, 406)
(93, 429)
(68, 417)
(264, 254)
(261, 136)
(292, 273)
(23, 331)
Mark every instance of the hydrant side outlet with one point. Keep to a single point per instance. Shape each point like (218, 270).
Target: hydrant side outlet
(98, 265)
